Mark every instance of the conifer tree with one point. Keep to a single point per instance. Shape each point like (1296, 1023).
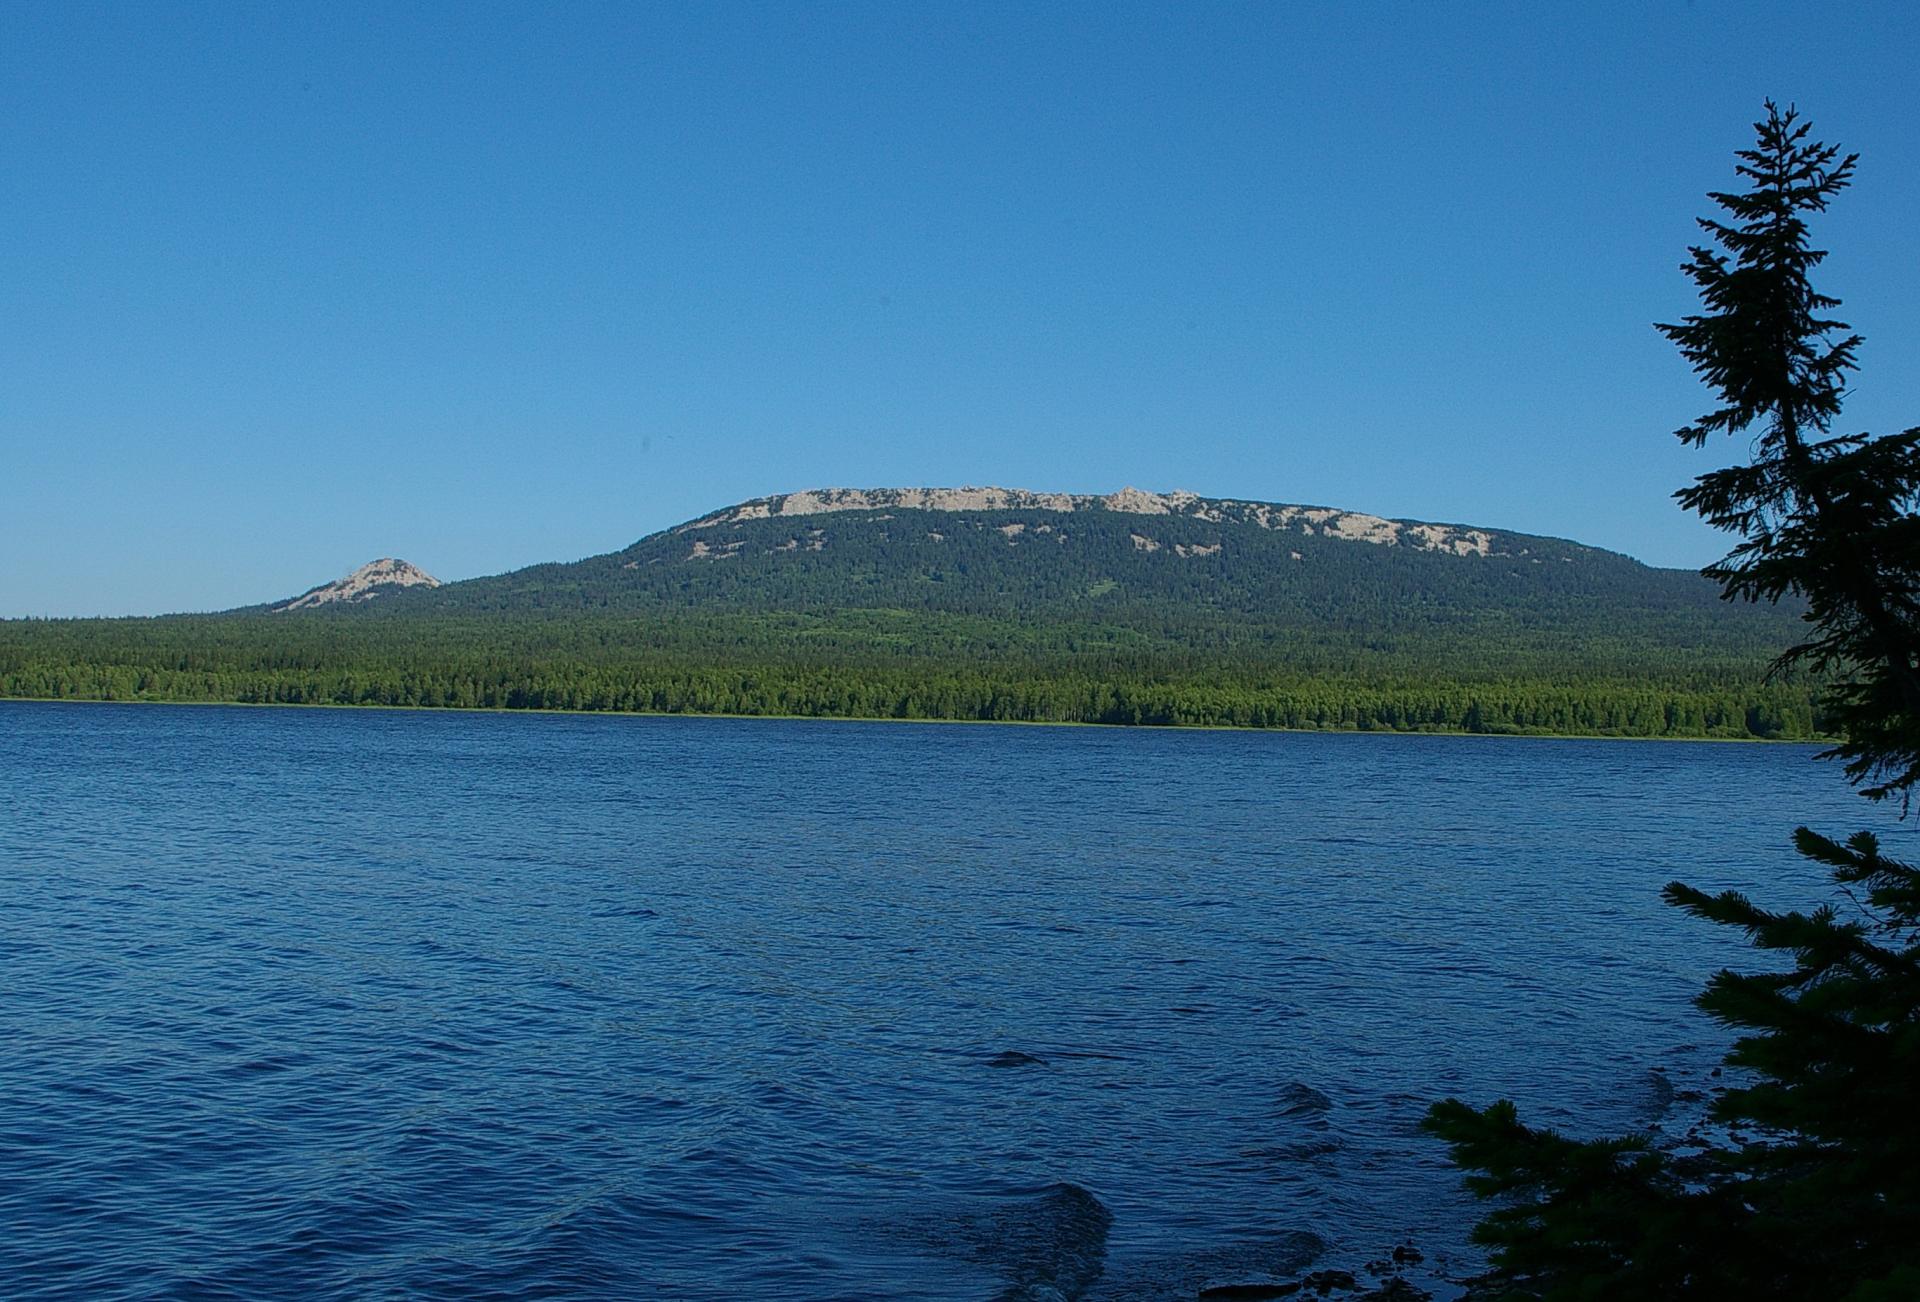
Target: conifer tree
(1815, 1192)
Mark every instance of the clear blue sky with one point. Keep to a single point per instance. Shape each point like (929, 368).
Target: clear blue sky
(286, 287)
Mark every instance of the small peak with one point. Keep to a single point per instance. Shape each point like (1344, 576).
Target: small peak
(388, 574)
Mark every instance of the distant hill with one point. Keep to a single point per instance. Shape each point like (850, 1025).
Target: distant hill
(992, 603)
(1129, 555)
(374, 579)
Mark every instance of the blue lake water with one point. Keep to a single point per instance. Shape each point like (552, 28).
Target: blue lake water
(329, 1004)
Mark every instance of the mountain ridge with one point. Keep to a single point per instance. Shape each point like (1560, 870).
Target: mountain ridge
(1356, 526)
(813, 512)
(1036, 555)
(1001, 604)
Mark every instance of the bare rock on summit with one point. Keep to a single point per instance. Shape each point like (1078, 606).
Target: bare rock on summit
(1351, 526)
(369, 581)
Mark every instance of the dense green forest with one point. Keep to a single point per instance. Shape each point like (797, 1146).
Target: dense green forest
(913, 665)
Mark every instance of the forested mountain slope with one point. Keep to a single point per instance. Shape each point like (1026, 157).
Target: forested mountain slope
(1175, 558)
(1002, 604)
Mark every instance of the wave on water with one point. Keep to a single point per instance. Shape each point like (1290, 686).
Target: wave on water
(335, 1006)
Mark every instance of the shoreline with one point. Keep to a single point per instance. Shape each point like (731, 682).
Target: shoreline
(886, 719)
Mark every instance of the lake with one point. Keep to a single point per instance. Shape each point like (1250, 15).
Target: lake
(330, 1004)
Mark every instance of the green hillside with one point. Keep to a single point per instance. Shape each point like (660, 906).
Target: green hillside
(1156, 610)
(1091, 561)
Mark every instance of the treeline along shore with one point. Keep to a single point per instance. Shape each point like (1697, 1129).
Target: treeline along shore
(880, 664)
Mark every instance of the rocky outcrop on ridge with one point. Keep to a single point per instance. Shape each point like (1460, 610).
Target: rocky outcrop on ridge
(374, 579)
(1352, 526)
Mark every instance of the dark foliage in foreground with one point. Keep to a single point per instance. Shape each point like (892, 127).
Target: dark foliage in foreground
(1814, 1193)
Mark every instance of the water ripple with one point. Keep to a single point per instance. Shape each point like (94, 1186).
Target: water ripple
(343, 1005)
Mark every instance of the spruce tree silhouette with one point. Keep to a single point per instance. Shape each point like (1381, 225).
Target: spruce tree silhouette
(1813, 1189)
